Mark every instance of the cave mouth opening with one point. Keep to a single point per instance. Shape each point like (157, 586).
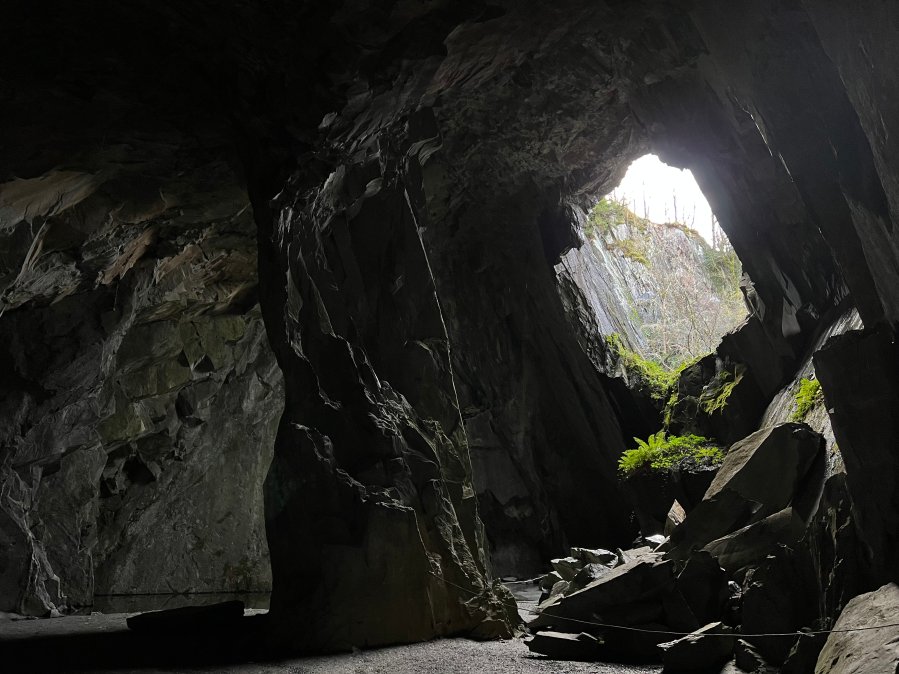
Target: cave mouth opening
(676, 272)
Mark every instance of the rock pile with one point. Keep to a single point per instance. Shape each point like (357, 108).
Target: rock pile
(730, 568)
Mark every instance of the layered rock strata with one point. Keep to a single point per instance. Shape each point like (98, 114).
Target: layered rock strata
(140, 396)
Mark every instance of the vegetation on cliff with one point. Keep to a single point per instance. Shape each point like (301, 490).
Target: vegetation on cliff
(683, 293)
(806, 397)
(651, 375)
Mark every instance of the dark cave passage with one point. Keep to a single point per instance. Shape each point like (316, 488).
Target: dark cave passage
(303, 298)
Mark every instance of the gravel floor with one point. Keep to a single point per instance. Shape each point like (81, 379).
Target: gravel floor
(443, 656)
(446, 656)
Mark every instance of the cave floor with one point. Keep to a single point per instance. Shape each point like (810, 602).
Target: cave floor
(102, 642)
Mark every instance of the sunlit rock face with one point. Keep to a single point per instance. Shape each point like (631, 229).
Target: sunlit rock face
(415, 172)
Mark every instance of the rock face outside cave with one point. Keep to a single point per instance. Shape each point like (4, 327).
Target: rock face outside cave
(415, 174)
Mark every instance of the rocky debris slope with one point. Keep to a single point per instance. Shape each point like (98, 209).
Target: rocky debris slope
(742, 562)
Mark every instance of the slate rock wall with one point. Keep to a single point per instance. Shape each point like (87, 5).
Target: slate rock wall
(139, 393)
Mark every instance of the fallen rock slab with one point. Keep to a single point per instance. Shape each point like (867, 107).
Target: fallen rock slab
(703, 584)
(748, 659)
(777, 599)
(567, 567)
(867, 650)
(635, 645)
(644, 578)
(642, 552)
(565, 646)
(767, 465)
(675, 517)
(761, 477)
(223, 616)
(717, 516)
(550, 579)
(750, 545)
(587, 575)
(598, 556)
(705, 650)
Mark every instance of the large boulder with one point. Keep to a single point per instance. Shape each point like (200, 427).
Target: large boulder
(566, 646)
(704, 650)
(767, 466)
(865, 638)
(746, 547)
(748, 499)
(619, 593)
(643, 592)
(859, 372)
(777, 597)
(703, 584)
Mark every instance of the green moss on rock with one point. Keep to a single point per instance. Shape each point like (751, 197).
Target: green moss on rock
(630, 249)
(806, 397)
(659, 380)
(716, 393)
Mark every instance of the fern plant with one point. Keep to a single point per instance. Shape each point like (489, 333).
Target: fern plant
(661, 451)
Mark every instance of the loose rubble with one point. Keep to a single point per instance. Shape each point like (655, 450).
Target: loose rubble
(728, 567)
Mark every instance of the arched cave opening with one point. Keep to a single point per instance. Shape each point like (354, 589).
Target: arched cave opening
(677, 273)
(374, 215)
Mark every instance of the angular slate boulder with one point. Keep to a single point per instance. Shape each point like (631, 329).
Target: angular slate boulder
(705, 650)
(566, 646)
(762, 475)
(645, 578)
(864, 650)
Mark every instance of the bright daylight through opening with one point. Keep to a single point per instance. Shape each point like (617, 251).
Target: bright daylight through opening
(679, 275)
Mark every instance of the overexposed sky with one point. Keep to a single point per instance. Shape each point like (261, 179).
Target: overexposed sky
(651, 190)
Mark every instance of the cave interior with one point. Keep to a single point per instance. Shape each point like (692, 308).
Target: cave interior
(293, 300)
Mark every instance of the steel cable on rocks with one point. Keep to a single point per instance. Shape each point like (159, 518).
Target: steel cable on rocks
(643, 630)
